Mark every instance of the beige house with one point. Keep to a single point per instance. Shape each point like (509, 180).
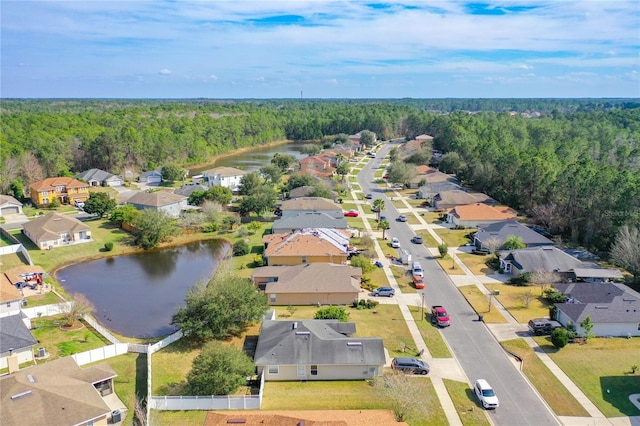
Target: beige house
(310, 204)
(474, 215)
(9, 205)
(56, 230)
(307, 246)
(309, 284)
(165, 201)
(57, 392)
(317, 350)
(16, 345)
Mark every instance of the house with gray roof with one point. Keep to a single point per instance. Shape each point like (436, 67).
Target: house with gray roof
(502, 230)
(16, 341)
(151, 176)
(457, 197)
(431, 189)
(292, 223)
(309, 284)
(56, 230)
(310, 204)
(613, 308)
(168, 202)
(317, 350)
(97, 177)
(187, 190)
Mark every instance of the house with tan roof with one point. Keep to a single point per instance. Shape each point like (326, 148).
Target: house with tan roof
(307, 246)
(317, 163)
(57, 392)
(474, 215)
(449, 199)
(427, 175)
(424, 138)
(165, 201)
(56, 230)
(303, 418)
(65, 189)
(309, 284)
(317, 350)
(228, 177)
(299, 205)
(9, 205)
(10, 297)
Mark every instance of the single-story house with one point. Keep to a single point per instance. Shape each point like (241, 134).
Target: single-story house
(427, 174)
(430, 189)
(25, 275)
(97, 177)
(57, 392)
(151, 176)
(534, 259)
(424, 138)
(16, 341)
(55, 230)
(10, 297)
(9, 205)
(309, 284)
(229, 177)
(449, 199)
(307, 246)
(290, 223)
(502, 230)
(296, 206)
(168, 202)
(317, 350)
(478, 214)
(614, 309)
(596, 275)
(187, 190)
(315, 162)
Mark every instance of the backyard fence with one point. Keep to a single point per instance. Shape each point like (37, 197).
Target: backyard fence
(100, 329)
(99, 354)
(46, 310)
(165, 342)
(15, 248)
(245, 402)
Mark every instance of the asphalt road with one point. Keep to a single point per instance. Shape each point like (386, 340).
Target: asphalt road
(476, 349)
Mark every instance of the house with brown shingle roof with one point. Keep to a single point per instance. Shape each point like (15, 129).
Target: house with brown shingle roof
(57, 392)
(65, 189)
(306, 246)
(56, 230)
(474, 215)
(317, 163)
(309, 284)
(168, 202)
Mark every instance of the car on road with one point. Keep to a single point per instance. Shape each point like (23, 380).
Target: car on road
(386, 176)
(543, 326)
(440, 316)
(410, 365)
(369, 196)
(417, 239)
(395, 243)
(481, 251)
(418, 282)
(384, 291)
(417, 269)
(402, 218)
(351, 213)
(383, 218)
(486, 395)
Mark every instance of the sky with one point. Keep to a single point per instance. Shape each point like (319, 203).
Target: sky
(319, 49)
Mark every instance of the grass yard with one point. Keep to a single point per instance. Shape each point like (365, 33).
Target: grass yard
(412, 219)
(480, 303)
(448, 265)
(552, 390)
(385, 246)
(476, 263)
(430, 334)
(454, 237)
(59, 343)
(427, 239)
(47, 298)
(183, 418)
(600, 365)
(8, 261)
(398, 203)
(366, 208)
(378, 278)
(355, 222)
(404, 279)
(352, 179)
(415, 203)
(515, 299)
(469, 410)
(243, 265)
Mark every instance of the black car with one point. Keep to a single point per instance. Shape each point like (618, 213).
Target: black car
(543, 326)
(410, 365)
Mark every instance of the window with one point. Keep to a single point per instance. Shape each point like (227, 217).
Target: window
(314, 370)
(302, 371)
(272, 297)
(273, 369)
(44, 193)
(45, 201)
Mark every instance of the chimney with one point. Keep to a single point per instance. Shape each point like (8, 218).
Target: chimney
(12, 361)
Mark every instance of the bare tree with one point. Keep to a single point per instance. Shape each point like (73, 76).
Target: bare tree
(78, 307)
(31, 168)
(526, 298)
(547, 214)
(366, 241)
(401, 390)
(544, 278)
(493, 244)
(626, 250)
(9, 172)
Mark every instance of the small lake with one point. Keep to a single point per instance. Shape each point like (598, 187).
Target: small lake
(255, 159)
(136, 295)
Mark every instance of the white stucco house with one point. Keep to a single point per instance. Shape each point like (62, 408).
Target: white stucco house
(229, 177)
(9, 205)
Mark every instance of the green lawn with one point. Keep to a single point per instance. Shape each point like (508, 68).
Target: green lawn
(8, 261)
(378, 278)
(455, 237)
(552, 390)
(412, 219)
(480, 303)
(470, 412)
(243, 266)
(523, 303)
(47, 298)
(59, 343)
(448, 265)
(182, 418)
(385, 246)
(403, 278)
(477, 263)
(602, 370)
(427, 239)
(430, 334)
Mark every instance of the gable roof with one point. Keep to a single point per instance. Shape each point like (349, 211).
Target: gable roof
(50, 184)
(8, 291)
(154, 172)
(224, 171)
(61, 393)
(187, 190)
(424, 137)
(545, 258)
(310, 219)
(49, 227)
(598, 273)
(156, 198)
(14, 334)
(8, 199)
(318, 278)
(501, 230)
(17, 274)
(314, 159)
(321, 342)
(307, 242)
(455, 197)
(602, 302)
(309, 203)
(96, 174)
(481, 211)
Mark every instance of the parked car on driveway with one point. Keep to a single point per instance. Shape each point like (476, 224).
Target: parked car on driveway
(384, 291)
(395, 243)
(417, 239)
(351, 213)
(410, 365)
(485, 394)
(543, 326)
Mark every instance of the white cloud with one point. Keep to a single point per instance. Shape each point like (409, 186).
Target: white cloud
(213, 77)
(165, 71)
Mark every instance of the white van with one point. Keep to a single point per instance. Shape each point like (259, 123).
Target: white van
(405, 256)
(417, 269)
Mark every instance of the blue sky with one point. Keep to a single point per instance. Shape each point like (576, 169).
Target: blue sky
(319, 49)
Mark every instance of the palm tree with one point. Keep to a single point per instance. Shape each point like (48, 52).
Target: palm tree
(378, 206)
(339, 158)
(384, 225)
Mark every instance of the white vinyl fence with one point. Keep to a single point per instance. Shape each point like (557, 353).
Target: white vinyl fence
(46, 310)
(228, 402)
(100, 329)
(99, 354)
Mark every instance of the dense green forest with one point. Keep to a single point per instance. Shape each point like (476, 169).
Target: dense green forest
(576, 167)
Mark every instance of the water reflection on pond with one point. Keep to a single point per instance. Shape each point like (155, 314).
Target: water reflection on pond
(136, 295)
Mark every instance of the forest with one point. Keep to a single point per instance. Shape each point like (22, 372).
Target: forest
(576, 167)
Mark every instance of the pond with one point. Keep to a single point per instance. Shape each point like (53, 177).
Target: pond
(136, 295)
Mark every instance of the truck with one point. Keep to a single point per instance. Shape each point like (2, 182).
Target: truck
(439, 316)
(405, 257)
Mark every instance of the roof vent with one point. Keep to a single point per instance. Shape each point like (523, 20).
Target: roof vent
(354, 343)
(31, 378)
(601, 307)
(294, 325)
(21, 394)
(302, 333)
(236, 421)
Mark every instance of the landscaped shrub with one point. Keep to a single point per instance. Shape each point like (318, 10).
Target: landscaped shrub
(240, 248)
(521, 280)
(108, 246)
(362, 262)
(559, 338)
(554, 296)
(257, 259)
(333, 312)
(210, 227)
(242, 232)
(365, 304)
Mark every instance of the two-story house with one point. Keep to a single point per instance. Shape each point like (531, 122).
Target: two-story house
(229, 177)
(65, 189)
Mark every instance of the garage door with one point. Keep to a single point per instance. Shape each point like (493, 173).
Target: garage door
(9, 210)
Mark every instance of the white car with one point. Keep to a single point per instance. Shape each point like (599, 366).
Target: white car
(395, 243)
(485, 394)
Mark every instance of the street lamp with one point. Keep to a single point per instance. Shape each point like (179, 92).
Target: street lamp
(422, 308)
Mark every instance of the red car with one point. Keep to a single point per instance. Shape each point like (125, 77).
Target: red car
(418, 281)
(385, 177)
(351, 213)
